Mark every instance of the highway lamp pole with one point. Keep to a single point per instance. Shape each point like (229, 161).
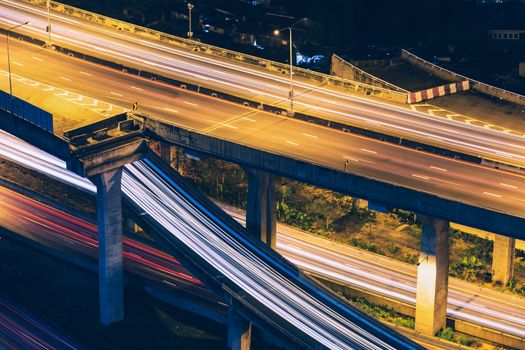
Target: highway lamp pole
(48, 28)
(277, 32)
(9, 58)
(190, 7)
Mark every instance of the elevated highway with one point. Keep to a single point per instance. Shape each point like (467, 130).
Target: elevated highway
(257, 84)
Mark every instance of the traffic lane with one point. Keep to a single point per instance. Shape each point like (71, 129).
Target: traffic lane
(375, 108)
(392, 284)
(120, 89)
(71, 235)
(256, 128)
(20, 330)
(469, 183)
(467, 307)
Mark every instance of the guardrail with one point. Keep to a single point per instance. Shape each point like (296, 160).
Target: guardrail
(346, 70)
(261, 63)
(474, 84)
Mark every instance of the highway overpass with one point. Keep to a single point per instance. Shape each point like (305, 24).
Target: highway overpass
(443, 189)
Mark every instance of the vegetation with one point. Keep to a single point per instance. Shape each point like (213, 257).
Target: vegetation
(396, 234)
(381, 312)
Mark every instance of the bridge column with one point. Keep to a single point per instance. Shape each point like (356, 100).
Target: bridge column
(165, 152)
(239, 331)
(503, 259)
(260, 211)
(432, 276)
(109, 220)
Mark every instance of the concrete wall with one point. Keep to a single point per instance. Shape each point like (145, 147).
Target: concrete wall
(389, 194)
(202, 48)
(346, 70)
(474, 84)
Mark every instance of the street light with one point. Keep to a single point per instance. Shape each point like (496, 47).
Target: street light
(8, 57)
(48, 28)
(276, 33)
(190, 7)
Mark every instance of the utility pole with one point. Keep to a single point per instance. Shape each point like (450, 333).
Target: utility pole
(48, 28)
(190, 33)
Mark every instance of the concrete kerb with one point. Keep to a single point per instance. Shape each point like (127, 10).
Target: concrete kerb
(224, 53)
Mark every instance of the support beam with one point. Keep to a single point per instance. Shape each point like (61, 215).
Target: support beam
(260, 211)
(131, 226)
(239, 331)
(503, 259)
(432, 276)
(109, 220)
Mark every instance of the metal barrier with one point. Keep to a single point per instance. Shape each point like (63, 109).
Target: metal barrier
(26, 110)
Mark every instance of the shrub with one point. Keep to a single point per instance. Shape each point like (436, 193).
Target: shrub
(447, 333)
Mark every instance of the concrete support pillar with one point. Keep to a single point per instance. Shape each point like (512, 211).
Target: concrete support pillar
(359, 203)
(109, 220)
(503, 259)
(432, 276)
(239, 331)
(260, 211)
(165, 152)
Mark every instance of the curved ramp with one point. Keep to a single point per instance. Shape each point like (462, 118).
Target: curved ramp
(254, 276)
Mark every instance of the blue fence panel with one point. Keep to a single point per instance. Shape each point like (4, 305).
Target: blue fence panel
(27, 111)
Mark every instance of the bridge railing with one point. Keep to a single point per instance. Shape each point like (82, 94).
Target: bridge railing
(261, 63)
(474, 84)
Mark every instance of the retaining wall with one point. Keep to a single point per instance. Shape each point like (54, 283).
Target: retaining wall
(346, 70)
(474, 84)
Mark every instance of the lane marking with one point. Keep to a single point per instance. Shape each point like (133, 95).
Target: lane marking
(229, 126)
(436, 168)
(37, 58)
(171, 110)
(421, 176)
(191, 104)
(116, 94)
(492, 194)
(85, 73)
(292, 143)
(136, 88)
(309, 135)
(507, 185)
(250, 120)
(64, 78)
(369, 151)
(17, 64)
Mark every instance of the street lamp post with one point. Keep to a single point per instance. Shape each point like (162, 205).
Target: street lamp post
(290, 29)
(190, 7)
(48, 28)
(9, 58)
